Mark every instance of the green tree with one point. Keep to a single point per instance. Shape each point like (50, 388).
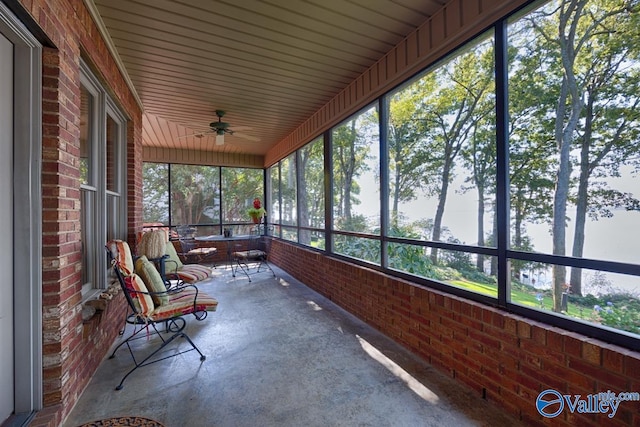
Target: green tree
(479, 155)
(610, 129)
(311, 188)
(410, 163)
(351, 149)
(194, 189)
(451, 113)
(155, 193)
(347, 160)
(240, 186)
(531, 148)
(570, 33)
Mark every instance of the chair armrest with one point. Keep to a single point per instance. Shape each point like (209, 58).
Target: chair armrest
(170, 269)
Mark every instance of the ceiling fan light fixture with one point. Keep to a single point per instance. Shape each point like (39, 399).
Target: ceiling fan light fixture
(220, 137)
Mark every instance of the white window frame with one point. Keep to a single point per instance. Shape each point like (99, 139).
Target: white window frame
(96, 235)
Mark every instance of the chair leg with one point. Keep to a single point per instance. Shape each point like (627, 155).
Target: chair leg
(176, 330)
(264, 261)
(243, 266)
(211, 261)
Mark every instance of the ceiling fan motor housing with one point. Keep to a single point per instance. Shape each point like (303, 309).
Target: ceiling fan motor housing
(219, 125)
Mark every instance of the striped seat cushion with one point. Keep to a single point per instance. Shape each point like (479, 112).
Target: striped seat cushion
(192, 273)
(181, 303)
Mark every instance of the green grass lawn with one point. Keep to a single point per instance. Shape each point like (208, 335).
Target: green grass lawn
(481, 288)
(522, 297)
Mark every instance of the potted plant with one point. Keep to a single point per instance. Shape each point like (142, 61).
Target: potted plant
(257, 211)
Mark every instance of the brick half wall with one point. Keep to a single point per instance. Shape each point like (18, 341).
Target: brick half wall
(508, 359)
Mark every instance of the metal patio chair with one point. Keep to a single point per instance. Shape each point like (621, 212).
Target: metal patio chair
(190, 253)
(251, 260)
(158, 313)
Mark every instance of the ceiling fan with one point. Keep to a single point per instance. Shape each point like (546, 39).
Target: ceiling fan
(221, 128)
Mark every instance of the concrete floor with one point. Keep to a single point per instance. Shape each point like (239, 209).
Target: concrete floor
(279, 354)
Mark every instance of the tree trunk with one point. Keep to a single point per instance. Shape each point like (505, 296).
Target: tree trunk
(569, 91)
(581, 214)
(561, 195)
(442, 199)
(396, 179)
(177, 206)
(517, 232)
(303, 203)
(348, 173)
(396, 196)
(559, 219)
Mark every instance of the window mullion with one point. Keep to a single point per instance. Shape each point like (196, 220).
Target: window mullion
(502, 163)
(383, 123)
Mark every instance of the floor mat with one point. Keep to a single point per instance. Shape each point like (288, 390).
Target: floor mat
(123, 421)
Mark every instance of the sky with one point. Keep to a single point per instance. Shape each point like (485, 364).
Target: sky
(610, 239)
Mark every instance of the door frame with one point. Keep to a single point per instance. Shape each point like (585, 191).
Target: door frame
(27, 228)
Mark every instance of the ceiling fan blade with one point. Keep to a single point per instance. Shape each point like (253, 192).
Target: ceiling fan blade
(197, 135)
(219, 129)
(247, 137)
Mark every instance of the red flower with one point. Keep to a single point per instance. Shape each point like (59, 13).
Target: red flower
(256, 203)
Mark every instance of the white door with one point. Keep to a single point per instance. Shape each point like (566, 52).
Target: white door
(6, 221)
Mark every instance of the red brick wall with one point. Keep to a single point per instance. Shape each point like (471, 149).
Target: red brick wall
(72, 351)
(507, 358)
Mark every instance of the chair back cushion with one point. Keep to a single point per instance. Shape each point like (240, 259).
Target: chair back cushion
(143, 304)
(152, 280)
(121, 254)
(152, 244)
(173, 262)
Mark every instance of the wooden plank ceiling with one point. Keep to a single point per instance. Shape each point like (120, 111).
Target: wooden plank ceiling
(269, 64)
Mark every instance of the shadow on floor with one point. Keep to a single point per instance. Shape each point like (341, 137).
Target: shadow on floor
(279, 354)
